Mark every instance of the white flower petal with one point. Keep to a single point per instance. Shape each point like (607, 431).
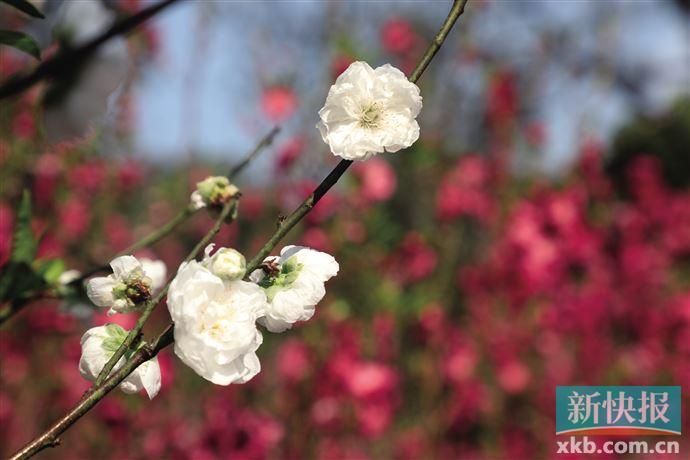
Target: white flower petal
(156, 271)
(208, 250)
(68, 276)
(122, 266)
(147, 377)
(100, 290)
(274, 325)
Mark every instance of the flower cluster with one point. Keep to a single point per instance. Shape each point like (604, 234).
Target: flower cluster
(131, 284)
(469, 296)
(215, 312)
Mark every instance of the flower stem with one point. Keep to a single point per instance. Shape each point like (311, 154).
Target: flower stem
(456, 10)
(289, 223)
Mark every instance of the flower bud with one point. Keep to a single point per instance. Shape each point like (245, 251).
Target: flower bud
(228, 264)
(213, 191)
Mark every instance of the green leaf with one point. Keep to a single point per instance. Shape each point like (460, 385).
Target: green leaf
(116, 331)
(116, 335)
(25, 7)
(24, 245)
(20, 41)
(51, 270)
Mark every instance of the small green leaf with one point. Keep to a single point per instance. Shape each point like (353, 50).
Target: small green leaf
(116, 331)
(20, 41)
(116, 335)
(51, 270)
(25, 7)
(24, 244)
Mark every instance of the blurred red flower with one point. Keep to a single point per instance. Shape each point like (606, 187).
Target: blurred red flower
(278, 102)
(398, 36)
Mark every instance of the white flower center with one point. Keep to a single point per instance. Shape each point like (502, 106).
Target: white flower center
(371, 115)
(217, 319)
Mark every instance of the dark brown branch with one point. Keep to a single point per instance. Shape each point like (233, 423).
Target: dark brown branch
(70, 58)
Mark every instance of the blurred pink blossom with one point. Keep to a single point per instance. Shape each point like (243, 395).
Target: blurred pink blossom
(378, 180)
(398, 36)
(278, 102)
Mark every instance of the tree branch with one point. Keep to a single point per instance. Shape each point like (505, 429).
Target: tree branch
(18, 304)
(50, 437)
(66, 60)
(263, 143)
(226, 214)
(332, 178)
(100, 389)
(188, 212)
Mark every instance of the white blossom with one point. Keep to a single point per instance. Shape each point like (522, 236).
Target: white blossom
(212, 191)
(122, 291)
(369, 111)
(228, 264)
(215, 324)
(99, 344)
(294, 284)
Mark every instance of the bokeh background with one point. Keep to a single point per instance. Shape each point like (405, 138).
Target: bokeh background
(538, 233)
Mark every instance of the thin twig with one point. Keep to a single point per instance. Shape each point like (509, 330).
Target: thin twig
(17, 305)
(66, 60)
(134, 335)
(148, 240)
(50, 437)
(289, 223)
(99, 390)
(265, 142)
(330, 180)
(188, 212)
